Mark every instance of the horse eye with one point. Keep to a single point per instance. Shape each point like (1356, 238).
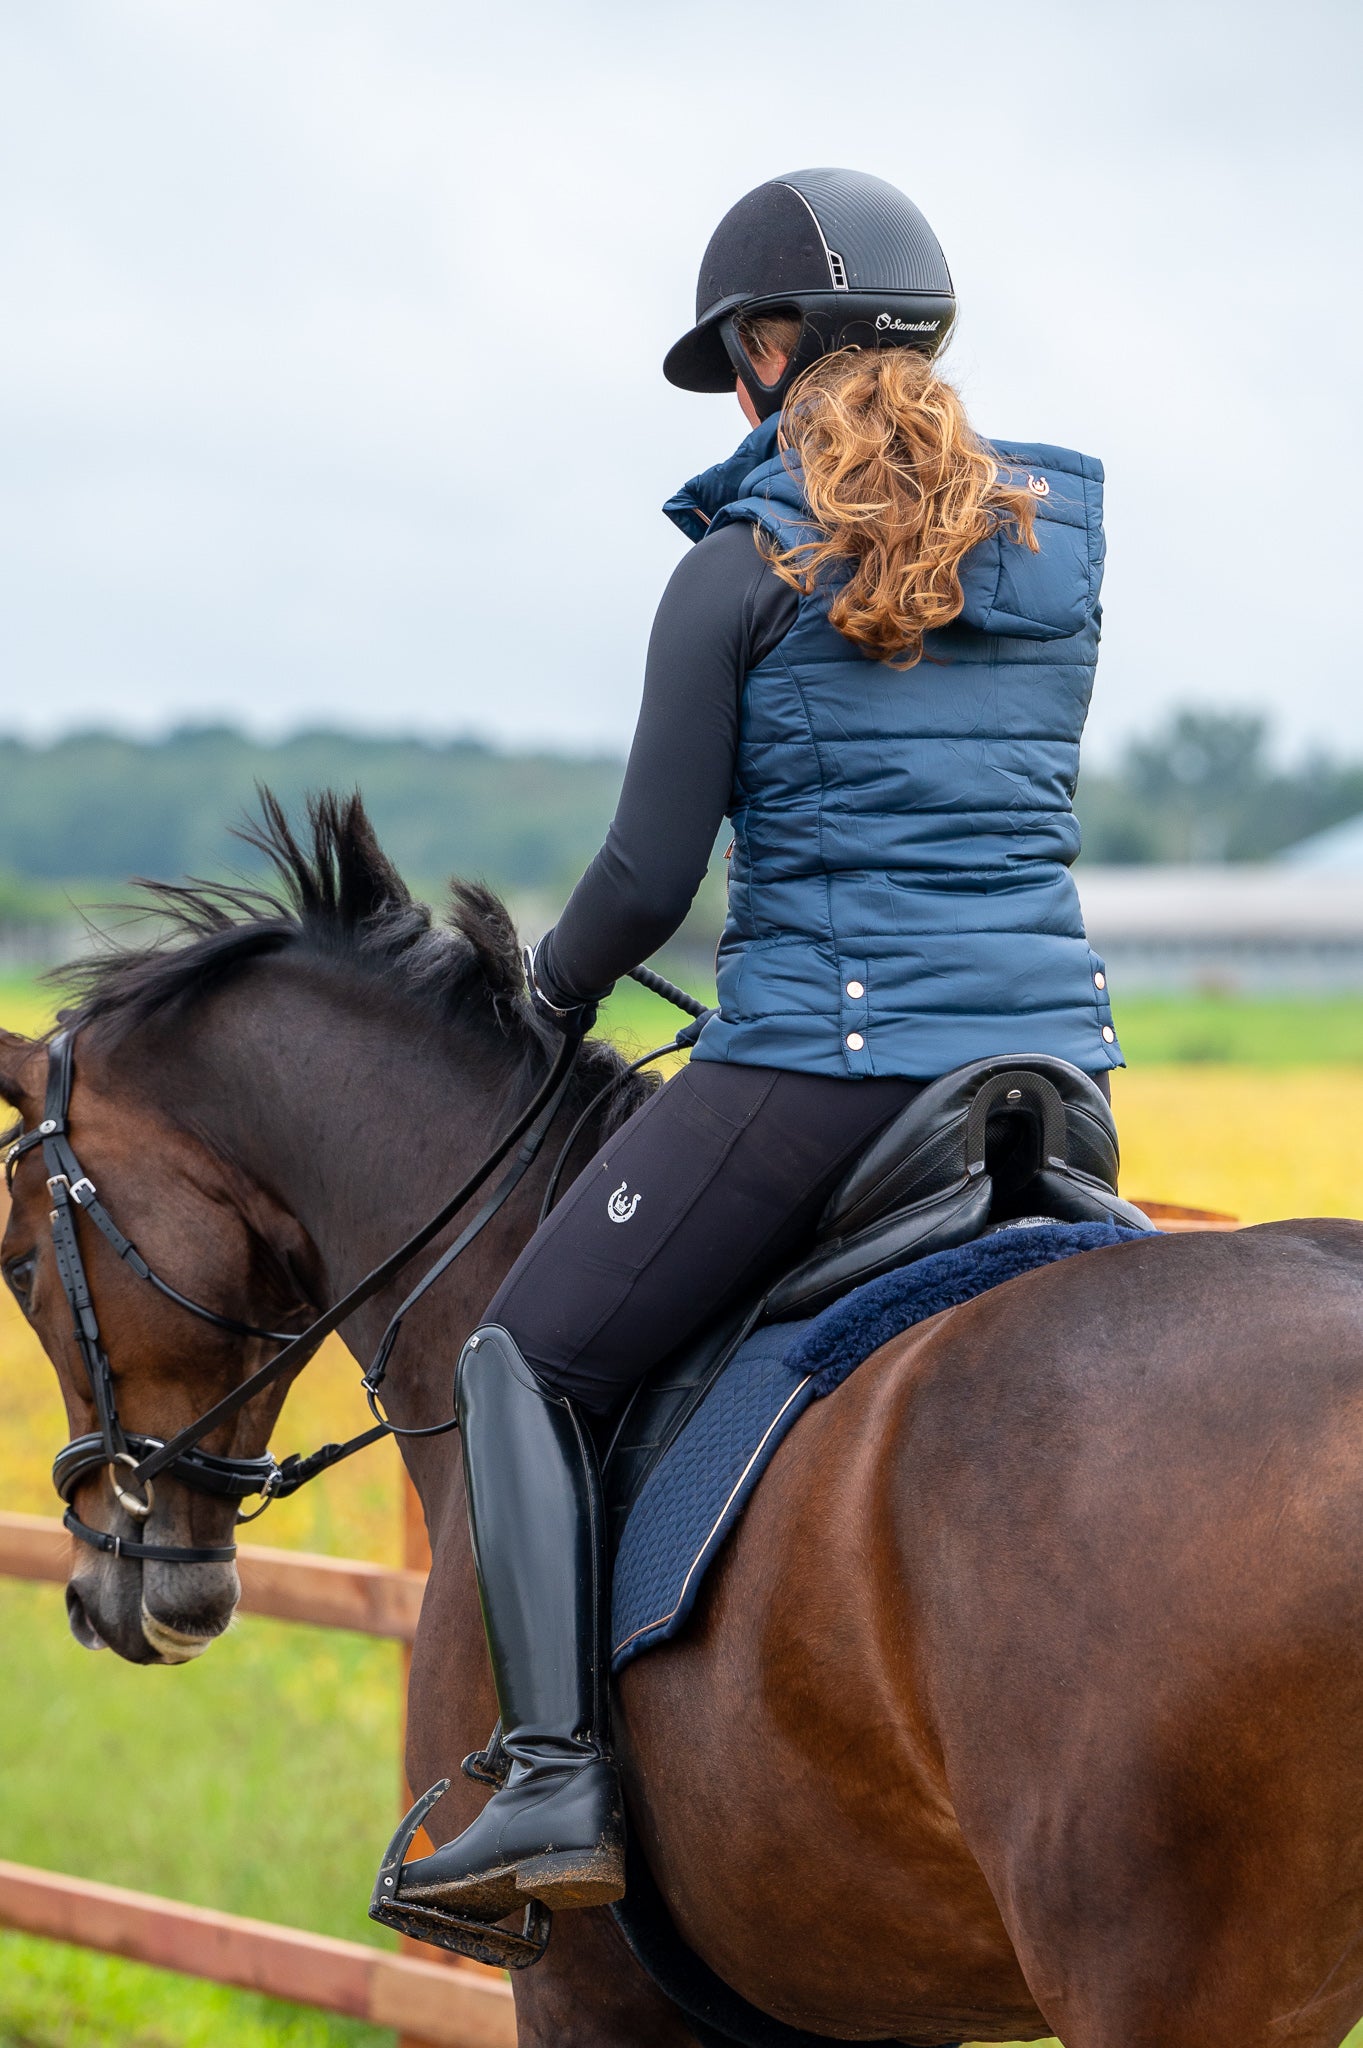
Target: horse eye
(19, 1277)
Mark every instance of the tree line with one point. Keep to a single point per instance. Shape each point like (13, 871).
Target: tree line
(1205, 786)
(100, 807)
(93, 809)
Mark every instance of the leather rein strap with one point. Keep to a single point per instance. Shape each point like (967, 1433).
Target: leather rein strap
(133, 1460)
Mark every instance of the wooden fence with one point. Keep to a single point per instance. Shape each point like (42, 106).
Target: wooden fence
(431, 2003)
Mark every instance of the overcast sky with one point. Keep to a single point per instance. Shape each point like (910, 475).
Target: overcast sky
(329, 376)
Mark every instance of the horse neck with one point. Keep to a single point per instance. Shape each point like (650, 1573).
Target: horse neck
(359, 1122)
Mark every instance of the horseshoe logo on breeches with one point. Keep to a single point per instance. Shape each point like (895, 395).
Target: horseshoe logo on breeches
(622, 1204)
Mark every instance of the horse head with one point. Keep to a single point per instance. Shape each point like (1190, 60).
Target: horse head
(249, 1100)
(218, 1239)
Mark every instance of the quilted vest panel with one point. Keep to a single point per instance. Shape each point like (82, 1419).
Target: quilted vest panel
(900, 896)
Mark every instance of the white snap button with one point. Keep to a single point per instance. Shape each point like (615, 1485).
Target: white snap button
(855, 1041)
(855, 989)
(1108, 1033)
(1100, 981)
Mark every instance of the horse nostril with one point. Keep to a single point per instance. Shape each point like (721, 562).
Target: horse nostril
(82, 1628)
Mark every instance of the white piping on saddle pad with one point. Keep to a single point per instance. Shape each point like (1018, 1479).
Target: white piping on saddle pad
(663, 1619)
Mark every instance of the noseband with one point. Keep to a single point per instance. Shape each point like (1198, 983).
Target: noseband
(134, 1460)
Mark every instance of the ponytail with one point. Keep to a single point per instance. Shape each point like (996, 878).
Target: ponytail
(899, 484)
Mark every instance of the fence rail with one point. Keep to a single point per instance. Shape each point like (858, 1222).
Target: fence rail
(426, 2001)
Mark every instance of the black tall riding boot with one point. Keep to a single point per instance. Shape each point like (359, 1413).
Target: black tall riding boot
(555, 1829)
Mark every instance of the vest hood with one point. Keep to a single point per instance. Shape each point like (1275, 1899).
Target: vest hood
(1008, 590)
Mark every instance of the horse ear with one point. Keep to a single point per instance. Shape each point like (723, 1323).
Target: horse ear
(15, 1053)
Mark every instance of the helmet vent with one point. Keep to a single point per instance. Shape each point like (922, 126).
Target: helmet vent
(837, 270)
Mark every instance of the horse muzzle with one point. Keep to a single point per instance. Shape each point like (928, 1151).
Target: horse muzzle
(115, 1604)
(150, 1610)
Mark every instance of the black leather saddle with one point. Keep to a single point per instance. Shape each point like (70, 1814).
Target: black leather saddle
(993, 1142)
(989, 1143)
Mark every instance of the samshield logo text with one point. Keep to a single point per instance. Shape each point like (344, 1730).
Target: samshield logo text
(891, 323)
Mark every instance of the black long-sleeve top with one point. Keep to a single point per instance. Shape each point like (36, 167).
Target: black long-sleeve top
(724, 609)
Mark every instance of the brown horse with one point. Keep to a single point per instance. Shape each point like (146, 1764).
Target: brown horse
(1028, 1695)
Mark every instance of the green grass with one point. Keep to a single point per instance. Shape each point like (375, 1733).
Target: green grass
(57, 1997)
(262, 1780)
(1256, 1031)
(1155, 1030)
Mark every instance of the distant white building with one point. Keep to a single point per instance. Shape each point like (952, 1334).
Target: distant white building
(1338, 851)
(1295, 924)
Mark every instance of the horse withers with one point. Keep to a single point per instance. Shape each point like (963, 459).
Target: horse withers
(1027, 1696)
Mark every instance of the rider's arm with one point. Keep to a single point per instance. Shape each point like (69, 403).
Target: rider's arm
(722, 611)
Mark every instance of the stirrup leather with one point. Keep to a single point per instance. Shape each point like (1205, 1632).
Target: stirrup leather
(490, 1766)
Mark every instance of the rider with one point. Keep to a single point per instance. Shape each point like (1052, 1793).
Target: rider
(876, 662)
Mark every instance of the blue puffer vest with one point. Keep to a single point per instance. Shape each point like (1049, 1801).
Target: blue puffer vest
(900, 898)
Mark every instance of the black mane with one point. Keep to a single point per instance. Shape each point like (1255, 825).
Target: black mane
(336, 898)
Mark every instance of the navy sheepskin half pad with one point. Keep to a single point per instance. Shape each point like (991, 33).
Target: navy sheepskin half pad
(836, 1342)
(699, 1488)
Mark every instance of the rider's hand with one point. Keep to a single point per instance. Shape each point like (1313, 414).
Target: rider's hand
(572, 1019)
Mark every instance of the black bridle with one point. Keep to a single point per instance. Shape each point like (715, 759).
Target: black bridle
(140, 1458)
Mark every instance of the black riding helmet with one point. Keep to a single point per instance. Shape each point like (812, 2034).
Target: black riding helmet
(850, 254)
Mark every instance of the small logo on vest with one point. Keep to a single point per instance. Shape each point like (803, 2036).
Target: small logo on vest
(622, 1204)
(890, 323)
(1039, 486)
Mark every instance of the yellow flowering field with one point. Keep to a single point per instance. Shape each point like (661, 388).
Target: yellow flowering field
(1258, 1142)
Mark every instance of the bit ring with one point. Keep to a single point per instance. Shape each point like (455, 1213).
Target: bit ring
(138, 1509)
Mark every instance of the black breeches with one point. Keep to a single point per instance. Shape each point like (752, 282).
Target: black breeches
(705, 1190)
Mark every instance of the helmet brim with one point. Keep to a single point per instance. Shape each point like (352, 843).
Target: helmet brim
(700, 361)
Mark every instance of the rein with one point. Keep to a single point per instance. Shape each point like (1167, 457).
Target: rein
(140, 1458)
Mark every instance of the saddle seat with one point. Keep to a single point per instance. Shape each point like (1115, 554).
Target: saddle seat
(999, 1141)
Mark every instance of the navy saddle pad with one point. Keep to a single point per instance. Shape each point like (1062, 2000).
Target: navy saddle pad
(701, 1483)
